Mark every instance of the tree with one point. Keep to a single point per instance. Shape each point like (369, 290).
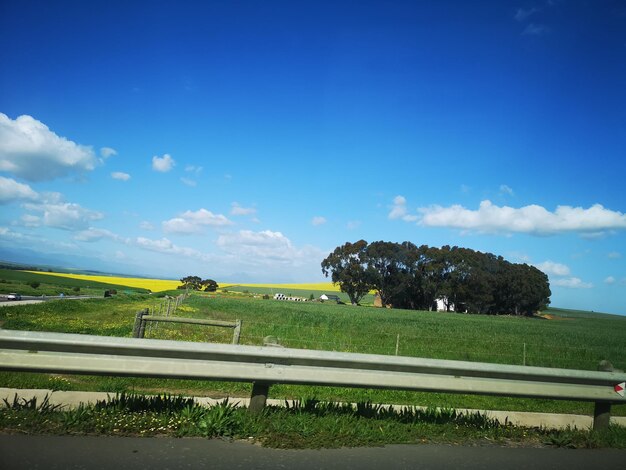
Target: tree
(386, 271)
(347, 266)
(191, 282)
(209, 285)
(407, 276)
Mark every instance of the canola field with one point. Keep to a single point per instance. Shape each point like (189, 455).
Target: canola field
(158, 285)
(315, 286)
(155, 285)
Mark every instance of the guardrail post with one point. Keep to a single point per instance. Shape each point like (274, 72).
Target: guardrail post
(601, 415)
(237, 332)
(260, 390)
(602, 409)
(138, 322)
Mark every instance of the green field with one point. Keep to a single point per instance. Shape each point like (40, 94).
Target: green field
(292, 292)
(570, 339)
(20, 282)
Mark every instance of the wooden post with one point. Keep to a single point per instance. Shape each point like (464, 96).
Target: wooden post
(237, 332)
(397, 343)
(260, 390)
(142, 325)
(138, 321)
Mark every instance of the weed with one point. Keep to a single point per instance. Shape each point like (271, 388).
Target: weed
(219, 420)
(133, 403)
(31, 404)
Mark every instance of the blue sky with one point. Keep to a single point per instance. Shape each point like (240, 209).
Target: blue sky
(244, 141)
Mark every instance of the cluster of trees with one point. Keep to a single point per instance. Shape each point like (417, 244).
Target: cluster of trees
(412, 277)
(197, 283)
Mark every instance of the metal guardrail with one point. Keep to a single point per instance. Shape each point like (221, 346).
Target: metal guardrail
(264, 366)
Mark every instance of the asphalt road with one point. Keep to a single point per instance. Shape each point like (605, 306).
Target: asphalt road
(31, 299)
(71, 452)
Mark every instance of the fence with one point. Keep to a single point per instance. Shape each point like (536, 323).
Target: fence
(143, 317)
(264, 366)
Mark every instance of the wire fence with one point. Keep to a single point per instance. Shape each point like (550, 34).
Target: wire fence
(466, 346)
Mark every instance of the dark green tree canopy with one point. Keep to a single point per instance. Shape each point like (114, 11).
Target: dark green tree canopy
(209, 285)
(412, 277)
(347, 266)
(197, 283)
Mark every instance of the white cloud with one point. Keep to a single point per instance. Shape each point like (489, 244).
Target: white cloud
(188, 182)
(64, 215)
(535, 30)
(95, 234)
(164, 245)
(318, 220)
(163, 164)
(237, 209)
(145, 225)
(609, 280)
(552, 268)
(504, 189)
(193, 169)
(521, 14)
(31, 241)
(533, 219)
(30, 150)
(118, 175)
(29, 220)
(7, 233)
(572, 283)
(399, 211)
(11, 190)
(106, 152)
(192, 222)
(353, 224)
(614, 255)
(266, 248)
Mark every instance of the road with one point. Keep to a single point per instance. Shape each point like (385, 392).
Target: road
(38, 299)
(98, 453)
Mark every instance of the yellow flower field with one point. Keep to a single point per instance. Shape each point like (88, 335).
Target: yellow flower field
(155, 285)
(319, 286)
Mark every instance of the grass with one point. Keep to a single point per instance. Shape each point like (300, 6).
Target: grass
(315, 286)
(307, 423)
(570, 339)
(295, 290)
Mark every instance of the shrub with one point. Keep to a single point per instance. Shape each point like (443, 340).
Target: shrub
(34, 284)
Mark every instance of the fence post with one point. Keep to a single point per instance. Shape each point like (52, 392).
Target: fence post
(237, 332)
(142, 325)
(260, 390)
(138, 322)
(601, 409)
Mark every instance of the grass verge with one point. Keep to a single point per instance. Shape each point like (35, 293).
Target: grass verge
(308, 423)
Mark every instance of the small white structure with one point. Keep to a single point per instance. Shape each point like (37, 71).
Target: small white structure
(284, 297)
(444, 305)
